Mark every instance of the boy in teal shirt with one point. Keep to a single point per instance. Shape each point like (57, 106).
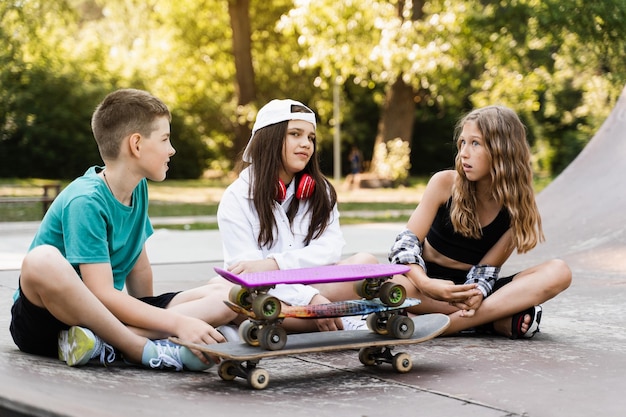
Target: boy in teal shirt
(91, 244)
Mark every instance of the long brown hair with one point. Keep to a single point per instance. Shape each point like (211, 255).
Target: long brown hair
(511, 178)
(266, 154)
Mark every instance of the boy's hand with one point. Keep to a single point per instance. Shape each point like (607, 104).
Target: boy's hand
(197, 331)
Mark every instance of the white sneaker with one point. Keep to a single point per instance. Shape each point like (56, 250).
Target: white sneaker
(230, 332)
(354, 322)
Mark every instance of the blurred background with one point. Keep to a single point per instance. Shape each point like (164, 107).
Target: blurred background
(388, 78)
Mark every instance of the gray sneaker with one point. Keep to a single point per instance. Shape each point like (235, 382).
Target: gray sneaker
(164, 354)
(79, 345)
(230, 332)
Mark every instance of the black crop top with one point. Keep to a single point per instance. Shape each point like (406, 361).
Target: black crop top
(446, 241)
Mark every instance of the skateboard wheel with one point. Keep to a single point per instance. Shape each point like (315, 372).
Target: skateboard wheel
(240, 296)
(258, 378)
(377, 324)
(400, 327)
(366, 356)
(402, 363)
(249, 333)
(364, 289)
(225, 371)
(272, 337)
(266, 307)
(392, 294)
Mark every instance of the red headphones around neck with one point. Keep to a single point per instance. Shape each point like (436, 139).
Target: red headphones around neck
(304, 190)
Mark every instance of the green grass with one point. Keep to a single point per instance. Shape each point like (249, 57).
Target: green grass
(169, 209)
(33, 211)
(374, 206)
(376, 219)
(182, 198)
(192, 226)
(19, 212)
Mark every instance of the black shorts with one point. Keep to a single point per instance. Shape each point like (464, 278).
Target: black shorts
(35, 330)
(501, 282)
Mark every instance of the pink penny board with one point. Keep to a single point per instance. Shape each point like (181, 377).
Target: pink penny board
(317, 275)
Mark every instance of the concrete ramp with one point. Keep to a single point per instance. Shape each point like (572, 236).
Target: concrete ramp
(575, 367)
(584, 209)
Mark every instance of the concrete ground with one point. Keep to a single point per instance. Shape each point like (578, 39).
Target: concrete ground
(574, 367)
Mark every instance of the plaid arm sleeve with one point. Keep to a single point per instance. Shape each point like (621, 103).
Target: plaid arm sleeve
(407, 249)
(485, 276)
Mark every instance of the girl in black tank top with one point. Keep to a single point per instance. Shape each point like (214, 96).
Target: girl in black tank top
(492, 180)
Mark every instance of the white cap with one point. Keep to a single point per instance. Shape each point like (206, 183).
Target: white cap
(277, 111)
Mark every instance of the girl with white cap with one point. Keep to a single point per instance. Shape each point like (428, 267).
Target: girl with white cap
(281, 213)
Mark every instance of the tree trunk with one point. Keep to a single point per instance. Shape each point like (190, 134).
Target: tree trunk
(396, 120)
(397, 116)
(245, 88)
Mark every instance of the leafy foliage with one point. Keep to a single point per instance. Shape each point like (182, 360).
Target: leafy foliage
(558, 64)
(394, 163)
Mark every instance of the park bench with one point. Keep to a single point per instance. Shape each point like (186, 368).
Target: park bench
(50, 192)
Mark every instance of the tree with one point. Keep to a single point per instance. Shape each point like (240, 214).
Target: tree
(245, 89)
(554, 62)
(166, 48)
(406, 69)
(406, 46)
(46, 101)
(451, 56)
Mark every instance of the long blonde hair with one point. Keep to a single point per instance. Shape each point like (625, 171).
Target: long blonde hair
(511, 178)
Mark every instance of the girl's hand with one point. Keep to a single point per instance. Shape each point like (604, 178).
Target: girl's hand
(329, 325)
(468, 308)
(444, 290)
(326, 325)
(260, 265)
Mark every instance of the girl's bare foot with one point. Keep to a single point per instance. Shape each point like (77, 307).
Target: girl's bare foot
(521, 325)
(504, 327)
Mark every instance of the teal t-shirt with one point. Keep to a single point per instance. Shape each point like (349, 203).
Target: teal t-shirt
(88, 225)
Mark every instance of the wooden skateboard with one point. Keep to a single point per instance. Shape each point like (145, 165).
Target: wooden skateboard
(241, 360)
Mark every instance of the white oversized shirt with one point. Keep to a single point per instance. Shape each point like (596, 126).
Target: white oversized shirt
(239, 227)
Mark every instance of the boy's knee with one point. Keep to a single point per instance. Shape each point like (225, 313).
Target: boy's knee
(41, 257)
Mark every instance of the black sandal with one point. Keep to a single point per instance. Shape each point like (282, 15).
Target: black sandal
(533, 326)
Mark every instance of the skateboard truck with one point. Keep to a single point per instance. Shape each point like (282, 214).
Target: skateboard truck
(258, 378)
(269, 336)
(370, 356)
(389, 293)
(262, 304)
(391, 323)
